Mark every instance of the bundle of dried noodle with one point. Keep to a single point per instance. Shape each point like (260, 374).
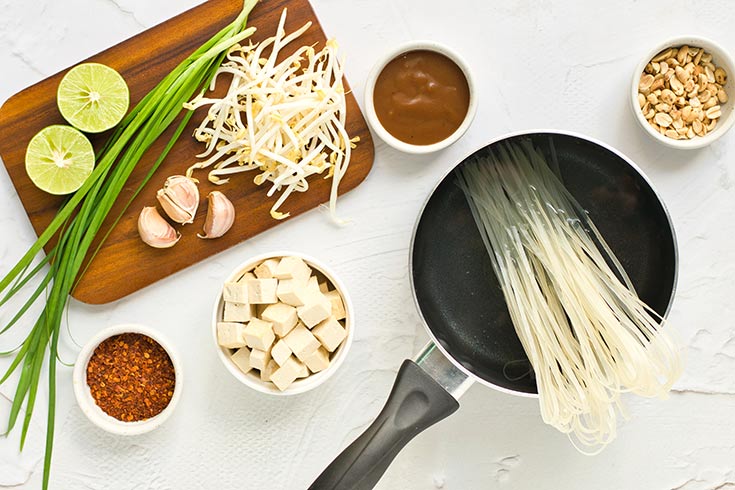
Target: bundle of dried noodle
(587, 334)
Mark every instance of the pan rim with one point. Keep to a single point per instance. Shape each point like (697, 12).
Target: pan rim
(506, 136)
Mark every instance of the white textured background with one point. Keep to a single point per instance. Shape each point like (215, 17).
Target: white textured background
(547, 63)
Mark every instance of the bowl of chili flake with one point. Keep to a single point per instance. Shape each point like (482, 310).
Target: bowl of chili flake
(127, 379)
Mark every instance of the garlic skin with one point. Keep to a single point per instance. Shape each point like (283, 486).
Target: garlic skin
(179, 198)
(156, 231)
(220, 215)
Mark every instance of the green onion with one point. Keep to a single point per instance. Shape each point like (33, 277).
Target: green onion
(80, 219)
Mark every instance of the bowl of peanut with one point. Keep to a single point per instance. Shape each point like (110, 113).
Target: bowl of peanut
(680, 92)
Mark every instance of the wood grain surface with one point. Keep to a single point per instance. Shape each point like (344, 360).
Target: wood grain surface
(124, 264)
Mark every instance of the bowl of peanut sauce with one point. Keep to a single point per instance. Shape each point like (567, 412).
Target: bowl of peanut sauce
(420, 97)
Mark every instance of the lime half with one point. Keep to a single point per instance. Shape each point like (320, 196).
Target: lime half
(59, 159)
(93, 97)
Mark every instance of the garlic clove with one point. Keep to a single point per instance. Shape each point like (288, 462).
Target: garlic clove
(179, 198)
(156, 231)
(220, 215)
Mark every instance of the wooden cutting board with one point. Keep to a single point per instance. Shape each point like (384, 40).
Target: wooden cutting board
(125, 264)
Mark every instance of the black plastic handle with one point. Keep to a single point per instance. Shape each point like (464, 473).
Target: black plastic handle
(415, 403)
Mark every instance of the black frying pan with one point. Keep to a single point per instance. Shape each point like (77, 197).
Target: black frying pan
(461, 303)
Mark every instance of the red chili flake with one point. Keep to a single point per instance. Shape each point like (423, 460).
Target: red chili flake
(131, 377)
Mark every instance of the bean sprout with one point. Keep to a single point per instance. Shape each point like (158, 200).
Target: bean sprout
(284, 119)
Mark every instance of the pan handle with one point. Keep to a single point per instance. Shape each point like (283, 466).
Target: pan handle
(416, 402)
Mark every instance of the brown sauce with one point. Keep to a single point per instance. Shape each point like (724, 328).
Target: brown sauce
(421, 97)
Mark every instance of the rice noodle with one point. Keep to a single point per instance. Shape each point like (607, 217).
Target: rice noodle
(588, 336)
(279, 118)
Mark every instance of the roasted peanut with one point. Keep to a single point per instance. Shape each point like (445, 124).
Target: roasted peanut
(663, 55)
(720, 76)
(663, 119)
(646, 82)
(667, 97)
(713, 112)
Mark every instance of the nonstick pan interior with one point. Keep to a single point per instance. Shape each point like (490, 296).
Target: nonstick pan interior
(454, 283)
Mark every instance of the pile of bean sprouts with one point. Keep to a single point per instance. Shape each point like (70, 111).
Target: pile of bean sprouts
(284, 119)
(587, 334)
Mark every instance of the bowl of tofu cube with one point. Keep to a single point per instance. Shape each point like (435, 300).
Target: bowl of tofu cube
(282, 323)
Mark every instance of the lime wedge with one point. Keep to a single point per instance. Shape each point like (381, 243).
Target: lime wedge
(93, 97)
(59, 159)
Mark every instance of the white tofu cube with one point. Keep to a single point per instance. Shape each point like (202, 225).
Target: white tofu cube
(282, 316)
(259, 309)
(293, 292)
(330, 333)
(338, 306)
(318, 361)
(280, 352)
(301, 341)
(324, 287)
(259, 334)
(259, 359)
(230, 335)
(246, 277)
(238, 312)
(286, 374)
(316, 308)
(262, 291)
(303, 370)
(241, 358)
(265, 374)
(292, 268)
(313, 285)
(235, 292)
(267, 269)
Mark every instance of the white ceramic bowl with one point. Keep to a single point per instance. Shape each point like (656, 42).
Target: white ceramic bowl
(252, 379)
(84, 396)
(372, 117)
(720, 57)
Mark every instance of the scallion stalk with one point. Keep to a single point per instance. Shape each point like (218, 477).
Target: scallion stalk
(80, 219)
